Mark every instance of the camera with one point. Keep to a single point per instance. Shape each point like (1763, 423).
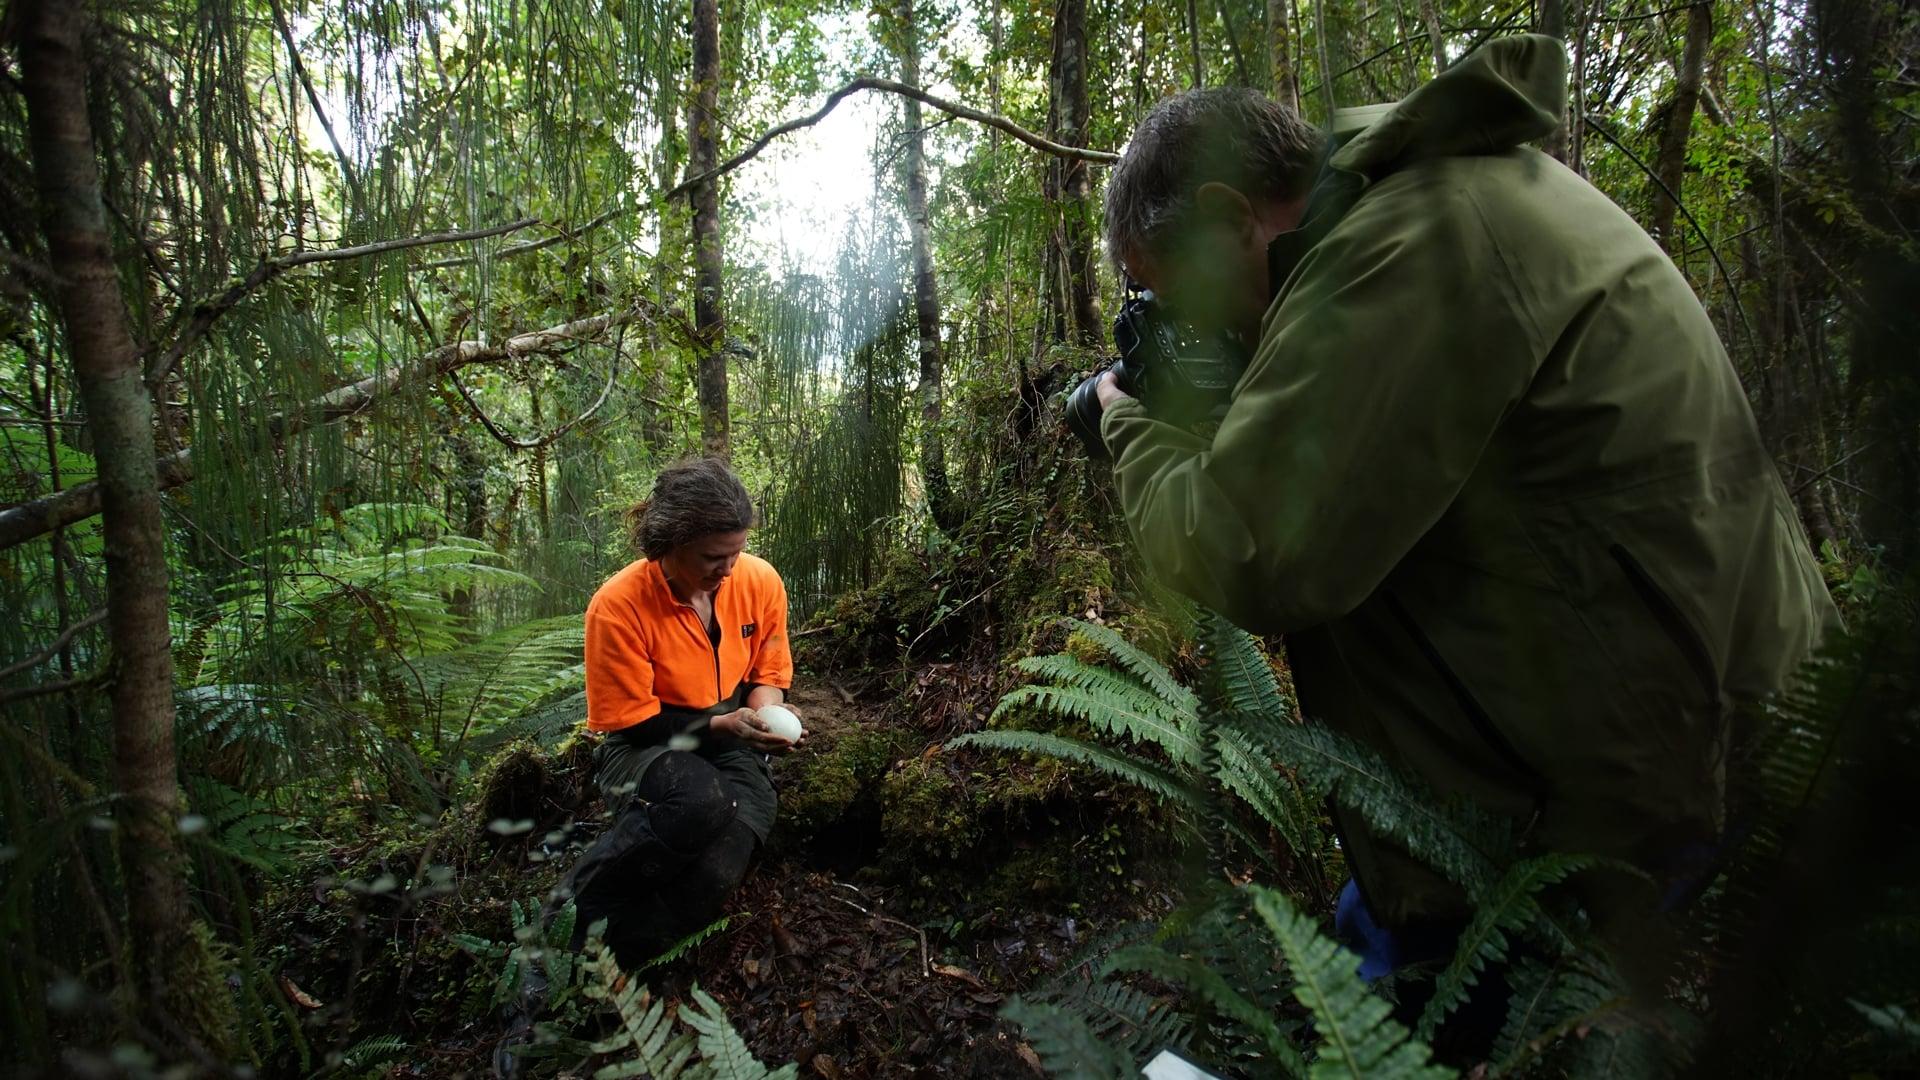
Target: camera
(1182, 376)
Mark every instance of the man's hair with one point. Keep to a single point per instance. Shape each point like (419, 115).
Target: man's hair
(1232, 135)
(690, 500)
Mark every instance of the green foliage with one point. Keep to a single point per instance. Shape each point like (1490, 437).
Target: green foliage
(1067, 1044)
(1509, 908)
(240, 827)
(1358, 1038)
(648, 1042)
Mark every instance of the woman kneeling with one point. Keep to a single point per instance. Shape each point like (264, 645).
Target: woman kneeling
(682, 647)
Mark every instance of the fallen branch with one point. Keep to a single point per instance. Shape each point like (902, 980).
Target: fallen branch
(208, 312)
(35, 517)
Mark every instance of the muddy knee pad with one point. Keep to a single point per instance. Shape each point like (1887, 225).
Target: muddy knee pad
(687, 801)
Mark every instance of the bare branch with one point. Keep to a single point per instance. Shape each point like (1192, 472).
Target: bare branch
(206, 313)
(52, 650)
(24, 521)
(550, 437)
(868, 82)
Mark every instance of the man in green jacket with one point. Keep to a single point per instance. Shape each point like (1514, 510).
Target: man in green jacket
(1489, 469)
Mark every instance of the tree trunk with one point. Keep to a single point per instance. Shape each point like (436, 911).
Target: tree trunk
(926, 288)
(703, 140)
(470, 470)
(1670, 159)
(1071, 188)
(1284, 74)
(1552, 23)
(120, 420)
(1193, 44)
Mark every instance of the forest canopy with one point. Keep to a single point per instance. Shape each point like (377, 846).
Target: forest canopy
(337, 339)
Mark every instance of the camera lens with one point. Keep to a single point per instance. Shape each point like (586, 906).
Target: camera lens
(1083, 415)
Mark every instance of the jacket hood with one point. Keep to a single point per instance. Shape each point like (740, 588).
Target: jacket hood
(1508, 92)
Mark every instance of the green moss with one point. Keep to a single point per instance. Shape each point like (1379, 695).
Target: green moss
(820, 784)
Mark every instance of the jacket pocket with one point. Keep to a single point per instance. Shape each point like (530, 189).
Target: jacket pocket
(1476, 715)
(1674, 623)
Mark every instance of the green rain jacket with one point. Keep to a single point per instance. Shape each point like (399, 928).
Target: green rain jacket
(1492, 475)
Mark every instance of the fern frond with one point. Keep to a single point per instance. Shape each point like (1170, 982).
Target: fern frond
(1064, 670)
(1113, 715)
(1142, 666)
(1156, 780)
(1465, 844)
(722, 1050)
(1239, 676)
(1359, 1037)
(1507, 908)
(646, 1031)
(1277, 800)
(372, 1051)
(1066, 1045)
(1207, 984)
(685, 945)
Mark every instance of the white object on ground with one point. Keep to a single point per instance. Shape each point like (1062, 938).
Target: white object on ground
(780, 721)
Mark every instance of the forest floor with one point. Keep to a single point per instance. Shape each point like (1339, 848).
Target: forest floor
(867, 941)
(817, 970)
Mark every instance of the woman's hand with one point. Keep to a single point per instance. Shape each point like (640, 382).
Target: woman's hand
(742, 724)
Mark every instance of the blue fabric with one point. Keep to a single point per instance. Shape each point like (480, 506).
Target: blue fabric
(1379, 950)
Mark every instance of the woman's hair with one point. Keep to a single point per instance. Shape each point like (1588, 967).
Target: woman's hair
(691, 499)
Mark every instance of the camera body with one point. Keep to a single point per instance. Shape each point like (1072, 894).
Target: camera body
(1183, 377)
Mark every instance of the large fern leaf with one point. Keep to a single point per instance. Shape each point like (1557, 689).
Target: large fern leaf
(646, 1033)
(1156, 780)
(1064, 670)
(1066, 1045)
(1359, 1038)
(1485, 941)
(1239, 676)
(1206, 983)
(1135, 660)
(1150, 723)
(722, 1050)
(1458, 840)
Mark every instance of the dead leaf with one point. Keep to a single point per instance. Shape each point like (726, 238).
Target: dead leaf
(1026, 1054)
(298, 996)
(826, 1067)
(963, 975)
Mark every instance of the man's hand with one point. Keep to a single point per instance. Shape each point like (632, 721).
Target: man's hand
(1108, 391)
(742, 724)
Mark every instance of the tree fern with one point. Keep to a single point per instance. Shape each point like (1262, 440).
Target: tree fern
(1359, 1038)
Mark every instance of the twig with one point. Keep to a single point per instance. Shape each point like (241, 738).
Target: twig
(58, 686)
(926, 962)
(52, 650)
(551, 437)
(1733, 294)
(560, 237)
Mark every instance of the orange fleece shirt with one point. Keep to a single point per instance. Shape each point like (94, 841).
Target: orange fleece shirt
(647, 650)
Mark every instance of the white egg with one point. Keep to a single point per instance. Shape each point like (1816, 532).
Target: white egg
(780, 721)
